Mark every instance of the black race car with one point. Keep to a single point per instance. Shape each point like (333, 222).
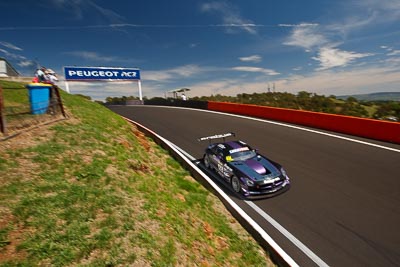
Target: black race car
(248, 172)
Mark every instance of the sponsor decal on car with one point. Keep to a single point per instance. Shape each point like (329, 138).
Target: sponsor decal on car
(271, 181)
(239, 150)
(216, 136)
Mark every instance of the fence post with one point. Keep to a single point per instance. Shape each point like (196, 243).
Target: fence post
(56, 90)
(3, 127)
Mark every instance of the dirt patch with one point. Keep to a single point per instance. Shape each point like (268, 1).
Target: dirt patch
(142, 138)
(26, 139)
(25, 170)
(12, 240)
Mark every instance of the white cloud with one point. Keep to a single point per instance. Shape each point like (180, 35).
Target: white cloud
(297, 25)
(187, 70)
(17, 59)
(10, 46)
(101, 90)
(171, 74)
(154, 75)
(253, 58)
(386, 11)
(230, 16)
(106, 13)
(358, 15)
(79, 9)
(306, 37)
(255, 69)
(88, 55)
(394, 60)
(12, 55)
(224, 87)
(394, 53)
(355, 81)
(352, 23)
(156, 83)
(333, 57)
(326, 39)
(26, 63)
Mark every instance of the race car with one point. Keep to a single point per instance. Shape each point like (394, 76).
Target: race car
(248, 172)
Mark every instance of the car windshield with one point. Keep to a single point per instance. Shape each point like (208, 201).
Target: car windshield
(243, 155)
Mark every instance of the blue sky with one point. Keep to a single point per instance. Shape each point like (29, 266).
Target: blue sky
(212, 47)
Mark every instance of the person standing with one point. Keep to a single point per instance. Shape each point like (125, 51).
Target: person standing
(40, 74)
(51, 76)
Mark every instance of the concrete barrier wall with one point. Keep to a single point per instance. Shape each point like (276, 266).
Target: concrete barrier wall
(177, 103)
(369, 128)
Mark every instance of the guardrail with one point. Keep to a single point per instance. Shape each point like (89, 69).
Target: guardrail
(177, 103)
(369, 128)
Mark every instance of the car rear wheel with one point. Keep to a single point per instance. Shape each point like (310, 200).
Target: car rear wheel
(235, 183)
(206, 161)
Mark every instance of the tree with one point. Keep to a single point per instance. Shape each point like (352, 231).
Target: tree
(388, 109)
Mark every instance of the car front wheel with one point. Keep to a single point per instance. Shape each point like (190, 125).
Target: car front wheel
(235, 184)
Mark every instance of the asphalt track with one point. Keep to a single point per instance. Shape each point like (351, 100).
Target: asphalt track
(344, 203)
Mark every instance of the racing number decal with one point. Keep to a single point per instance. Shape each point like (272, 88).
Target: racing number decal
(224, 170)
(215, 160)
(220, 167)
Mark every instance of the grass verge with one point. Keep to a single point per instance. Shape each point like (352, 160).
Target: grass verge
(94, 191)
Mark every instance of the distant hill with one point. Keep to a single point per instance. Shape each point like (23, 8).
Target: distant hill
(383, 96)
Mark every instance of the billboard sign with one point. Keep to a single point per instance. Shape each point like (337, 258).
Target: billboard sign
(101, 73)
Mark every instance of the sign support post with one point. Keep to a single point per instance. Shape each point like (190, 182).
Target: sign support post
(140, 90)
(67, 86)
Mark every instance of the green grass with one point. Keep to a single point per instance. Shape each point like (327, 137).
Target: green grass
(15, 93)
(93, 191)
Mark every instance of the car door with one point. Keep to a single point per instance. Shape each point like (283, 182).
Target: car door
(213, 157)
(223, 169)
(216, 157)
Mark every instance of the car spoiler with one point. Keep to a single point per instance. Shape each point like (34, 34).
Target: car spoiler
(216, 136)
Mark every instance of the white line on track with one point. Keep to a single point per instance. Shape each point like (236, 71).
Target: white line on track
(287, 234)
(257, 209)
(271, 221)
(294, 127)
(241, 212)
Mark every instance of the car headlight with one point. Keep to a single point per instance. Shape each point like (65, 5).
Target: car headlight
(283, 172)
(249, 182)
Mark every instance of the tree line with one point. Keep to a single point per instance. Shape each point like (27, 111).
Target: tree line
(386, 110)
(389, 110)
